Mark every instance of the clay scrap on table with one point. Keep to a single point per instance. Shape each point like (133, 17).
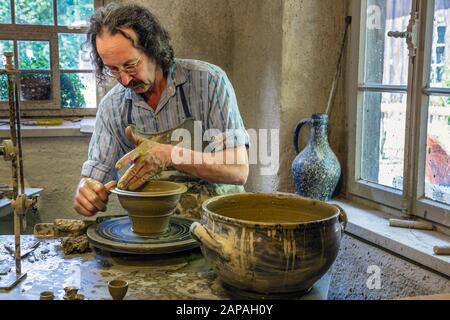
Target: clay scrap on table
(61, 228)
(69, 227)
(71, 245)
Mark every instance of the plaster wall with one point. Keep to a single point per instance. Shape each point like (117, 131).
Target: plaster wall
(312, 33)
(199, 29)
(257, 40)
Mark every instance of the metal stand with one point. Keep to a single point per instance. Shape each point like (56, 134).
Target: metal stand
(11, 150)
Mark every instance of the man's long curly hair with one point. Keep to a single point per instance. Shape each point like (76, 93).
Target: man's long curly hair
(152, 38)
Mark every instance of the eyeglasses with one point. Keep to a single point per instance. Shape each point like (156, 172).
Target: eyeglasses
(129, 69)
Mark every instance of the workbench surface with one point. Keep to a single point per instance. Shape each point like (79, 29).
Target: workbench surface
(177, 276)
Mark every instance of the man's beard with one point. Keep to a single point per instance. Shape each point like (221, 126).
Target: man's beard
(137, 84)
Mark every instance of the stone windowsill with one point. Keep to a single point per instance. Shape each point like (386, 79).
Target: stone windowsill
(67, 129)
(415, 245)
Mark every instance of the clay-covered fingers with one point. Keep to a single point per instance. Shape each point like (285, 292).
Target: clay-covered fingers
(98, 188)
(83, 206)
(81, 209)
(110, 185)
(91, 197)
(139, 180)
(133, 138)
(134, 171)
(92, 201)
(129, 158)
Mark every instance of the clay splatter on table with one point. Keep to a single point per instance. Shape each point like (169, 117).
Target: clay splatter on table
(182, 276)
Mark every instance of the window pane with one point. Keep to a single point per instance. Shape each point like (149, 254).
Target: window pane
(5, 46)
(35, 86)
(440, 55)
(75, 12)
(78, 90)
(71, 54)
(383, 138)
(437, 168)
(39, 12)
(34, 55)
(386, 60)
(5, 11)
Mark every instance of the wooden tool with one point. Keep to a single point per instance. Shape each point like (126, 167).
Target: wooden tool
(442, 250)
(410, 224)
(348, 22)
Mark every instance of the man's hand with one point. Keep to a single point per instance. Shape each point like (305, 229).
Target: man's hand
(149, 158)
(92, 196)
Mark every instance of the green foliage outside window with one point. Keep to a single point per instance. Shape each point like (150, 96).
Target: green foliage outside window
(71, 84)
(40, 12)
(5, 12)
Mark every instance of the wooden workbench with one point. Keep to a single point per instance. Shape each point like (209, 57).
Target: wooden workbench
(180, 276)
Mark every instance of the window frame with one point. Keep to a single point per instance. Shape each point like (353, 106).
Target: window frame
(18, 32)
(411, 201)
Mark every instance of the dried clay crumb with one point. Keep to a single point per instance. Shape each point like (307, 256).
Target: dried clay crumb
(78, 244)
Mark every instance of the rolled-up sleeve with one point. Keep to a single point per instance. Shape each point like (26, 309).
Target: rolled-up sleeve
(103, 150)
(224, 116)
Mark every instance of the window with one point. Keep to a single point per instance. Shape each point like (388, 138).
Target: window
(46, 38)
(438, 58)
(399, 103)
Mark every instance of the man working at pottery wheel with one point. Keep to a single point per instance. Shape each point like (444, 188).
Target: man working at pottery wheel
(156, 97)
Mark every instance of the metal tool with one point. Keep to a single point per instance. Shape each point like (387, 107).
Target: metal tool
(11, 150)
(28, 250)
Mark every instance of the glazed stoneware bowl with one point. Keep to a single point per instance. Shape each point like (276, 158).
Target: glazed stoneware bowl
(269, 243)
(151, 206)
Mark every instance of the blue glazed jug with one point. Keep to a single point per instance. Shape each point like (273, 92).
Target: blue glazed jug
(315, 169)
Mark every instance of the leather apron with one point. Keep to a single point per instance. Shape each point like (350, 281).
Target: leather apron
(199, 190)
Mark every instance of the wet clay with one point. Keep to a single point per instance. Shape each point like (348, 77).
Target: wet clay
(268, 243)
(150, 208)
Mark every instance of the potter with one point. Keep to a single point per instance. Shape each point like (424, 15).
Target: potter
(157, 94)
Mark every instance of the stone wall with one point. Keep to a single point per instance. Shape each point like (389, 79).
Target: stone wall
(399, 278)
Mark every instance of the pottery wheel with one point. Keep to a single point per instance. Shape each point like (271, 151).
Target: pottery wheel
(116, 235)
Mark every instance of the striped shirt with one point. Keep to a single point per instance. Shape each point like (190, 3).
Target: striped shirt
(211, 100)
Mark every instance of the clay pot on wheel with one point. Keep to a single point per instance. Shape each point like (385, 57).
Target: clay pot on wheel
(151, 206)
(269, 243)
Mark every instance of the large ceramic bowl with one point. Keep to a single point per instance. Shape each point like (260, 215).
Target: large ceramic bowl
(151, 206)
(269, 243)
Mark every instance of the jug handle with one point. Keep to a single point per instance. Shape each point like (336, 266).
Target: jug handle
(297, 132)
(343, 220)
(202, 235)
